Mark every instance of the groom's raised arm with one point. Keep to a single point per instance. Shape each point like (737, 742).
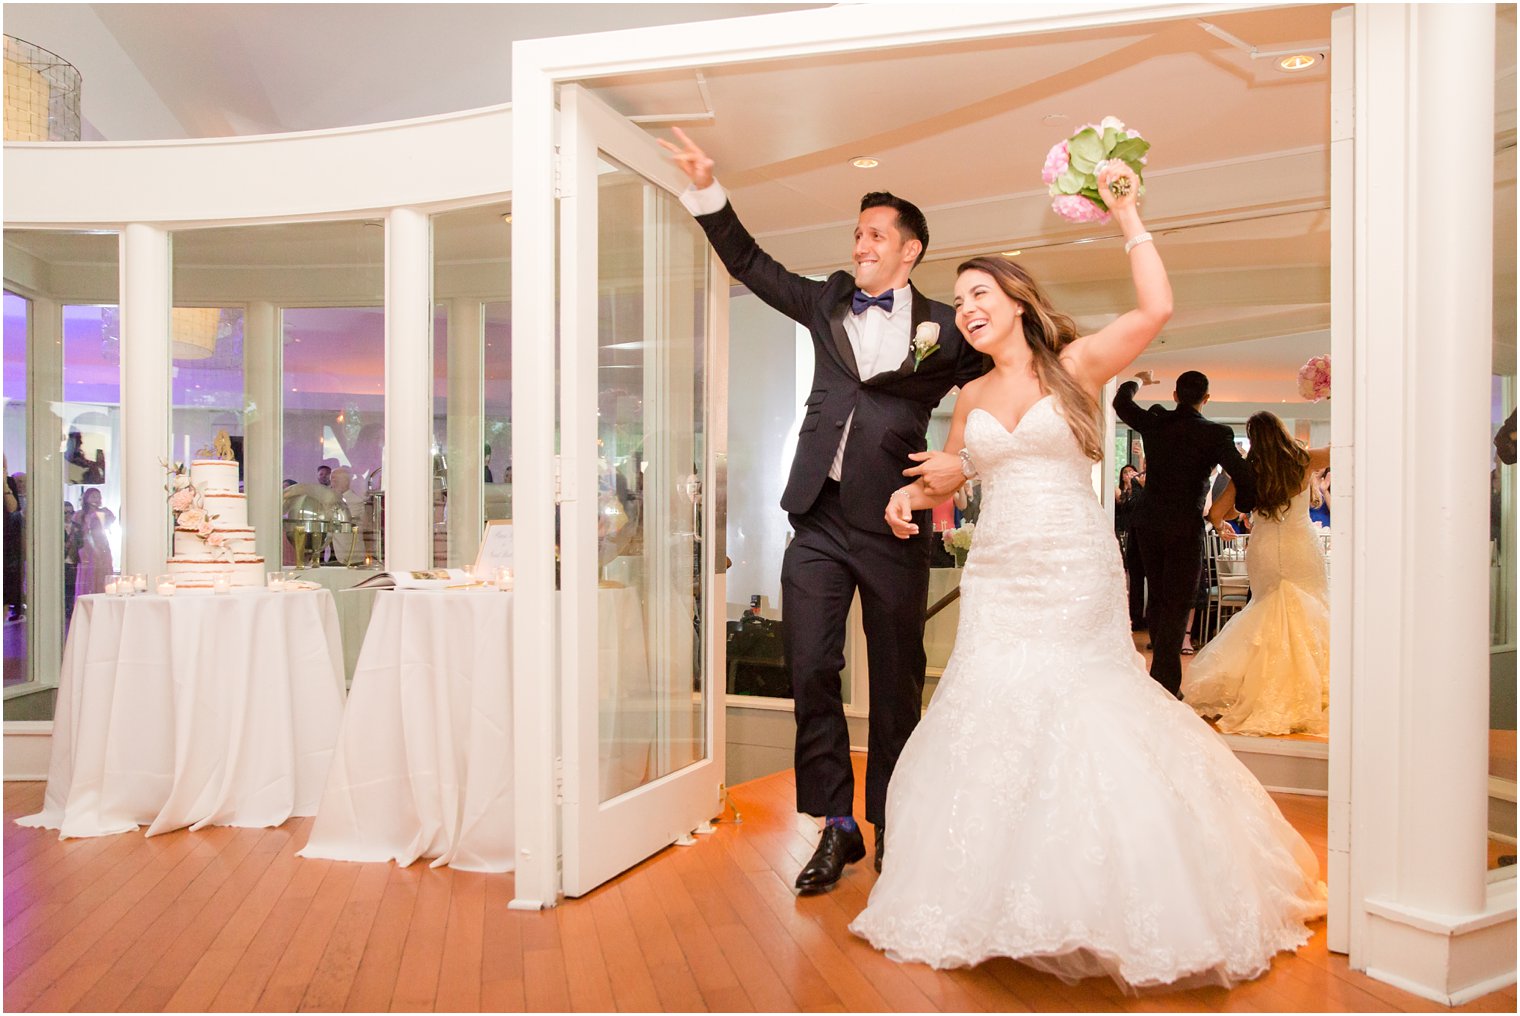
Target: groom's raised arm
(791, 294)
(1124, 405)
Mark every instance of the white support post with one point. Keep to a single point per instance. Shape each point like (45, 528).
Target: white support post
(1430, 922)
(145, 361)
(466, 432)
(534, 719)
(44, 477)
(407, 476)
(263, 430)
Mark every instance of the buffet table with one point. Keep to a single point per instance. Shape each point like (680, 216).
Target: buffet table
(423, 767)
(193, 710)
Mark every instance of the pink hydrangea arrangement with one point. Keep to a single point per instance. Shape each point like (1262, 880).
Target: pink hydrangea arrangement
(1314, 379)
(1072, 166)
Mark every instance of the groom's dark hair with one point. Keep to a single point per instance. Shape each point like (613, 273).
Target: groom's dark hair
(1192, 386)
(910, 221)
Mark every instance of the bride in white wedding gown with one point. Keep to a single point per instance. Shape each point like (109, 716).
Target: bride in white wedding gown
(1268, 670)
(1056, 805)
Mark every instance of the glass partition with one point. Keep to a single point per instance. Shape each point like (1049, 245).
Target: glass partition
(62, 447)
(472, 280)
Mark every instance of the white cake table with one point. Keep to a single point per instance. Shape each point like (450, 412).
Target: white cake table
(423, 767)
(193, 710)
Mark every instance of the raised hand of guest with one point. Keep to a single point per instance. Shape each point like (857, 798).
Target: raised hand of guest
(694, 162)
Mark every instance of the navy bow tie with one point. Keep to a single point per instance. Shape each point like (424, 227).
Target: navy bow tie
(860, 301)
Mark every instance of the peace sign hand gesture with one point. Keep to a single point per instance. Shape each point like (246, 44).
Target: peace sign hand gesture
(692, 160)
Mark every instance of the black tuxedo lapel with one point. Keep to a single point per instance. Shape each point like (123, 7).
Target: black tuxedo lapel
(841, 340)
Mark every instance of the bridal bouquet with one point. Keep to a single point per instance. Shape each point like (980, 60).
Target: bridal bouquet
(1314, 379)
(1072, 167)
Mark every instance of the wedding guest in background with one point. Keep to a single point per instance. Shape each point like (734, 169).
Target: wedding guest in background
(1504, 441)
(1181, 450)
(1127, 501)
(1319, 499)
(486, 458)
(324, 475)
(15, 544)
(70, 559)
(94, 548)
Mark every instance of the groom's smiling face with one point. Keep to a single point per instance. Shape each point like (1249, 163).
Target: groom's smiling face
(883, 256)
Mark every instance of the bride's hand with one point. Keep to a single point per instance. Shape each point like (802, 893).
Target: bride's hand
(899, 515)
(1117, 177)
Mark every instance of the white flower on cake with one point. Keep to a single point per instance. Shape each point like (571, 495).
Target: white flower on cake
(190, 518)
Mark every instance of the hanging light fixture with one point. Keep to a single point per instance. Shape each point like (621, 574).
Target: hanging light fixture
(194, 330)
(41, 94)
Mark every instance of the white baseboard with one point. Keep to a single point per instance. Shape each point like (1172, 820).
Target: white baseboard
(28, 744)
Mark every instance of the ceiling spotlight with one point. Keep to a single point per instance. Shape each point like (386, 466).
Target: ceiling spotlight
(1012, 253)
(507, 218)
(865, 162)
(1297, 62)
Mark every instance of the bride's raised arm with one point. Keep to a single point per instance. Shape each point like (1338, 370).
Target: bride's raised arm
(1095, 358)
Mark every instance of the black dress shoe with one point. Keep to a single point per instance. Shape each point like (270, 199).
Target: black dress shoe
(836, 848)
(881, 844)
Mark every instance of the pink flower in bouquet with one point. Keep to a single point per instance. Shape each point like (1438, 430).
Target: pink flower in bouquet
(1056, 161)
(1314, 379)
(191, 518)
(1076, 208)
(182, 499)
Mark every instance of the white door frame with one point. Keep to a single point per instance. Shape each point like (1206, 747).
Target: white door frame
(538, 67)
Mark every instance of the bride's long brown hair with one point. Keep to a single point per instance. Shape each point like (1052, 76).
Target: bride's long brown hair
(1047, 331)
(1277, 463)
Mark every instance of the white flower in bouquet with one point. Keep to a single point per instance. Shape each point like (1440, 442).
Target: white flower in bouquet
(959, 539)
(1314, 379)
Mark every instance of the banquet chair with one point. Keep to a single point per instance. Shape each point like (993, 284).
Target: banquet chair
(1229, 585)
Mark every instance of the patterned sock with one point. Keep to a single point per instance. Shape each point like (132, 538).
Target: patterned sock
(845, 822)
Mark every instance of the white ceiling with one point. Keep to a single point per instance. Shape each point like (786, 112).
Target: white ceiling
(1238, 179)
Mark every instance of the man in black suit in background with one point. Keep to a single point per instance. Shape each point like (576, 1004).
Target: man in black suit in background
(1181, 450)
(884, 356)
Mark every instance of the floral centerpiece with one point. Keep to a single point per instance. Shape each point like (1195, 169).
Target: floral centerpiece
(958, 542)
(1314, 379)
(188, 509)
(1072, 167)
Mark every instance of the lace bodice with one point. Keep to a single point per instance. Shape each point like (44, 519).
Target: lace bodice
(1044, 561)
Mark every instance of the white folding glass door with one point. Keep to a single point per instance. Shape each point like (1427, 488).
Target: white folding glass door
(642, 755)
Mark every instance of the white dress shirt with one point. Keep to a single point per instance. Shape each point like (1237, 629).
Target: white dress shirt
(879, 338)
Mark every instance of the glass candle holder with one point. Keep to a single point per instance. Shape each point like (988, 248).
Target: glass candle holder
(164, 585)
(275, 582)
(503, 578)
(113, 585)
(140, 582)
(221, 582)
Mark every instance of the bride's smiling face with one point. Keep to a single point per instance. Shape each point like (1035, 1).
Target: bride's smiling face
(983, 312)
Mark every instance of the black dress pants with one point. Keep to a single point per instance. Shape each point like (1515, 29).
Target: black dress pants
(1173, 559)
(1134, 566)
(827, 562)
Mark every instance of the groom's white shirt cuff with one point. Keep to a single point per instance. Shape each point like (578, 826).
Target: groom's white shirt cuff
(705, 201)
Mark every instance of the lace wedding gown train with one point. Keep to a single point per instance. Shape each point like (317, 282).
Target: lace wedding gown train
(1056, 805)
(1268, 669)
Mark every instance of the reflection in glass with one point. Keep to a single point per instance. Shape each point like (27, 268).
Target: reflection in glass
(652, 406)
(17, 668)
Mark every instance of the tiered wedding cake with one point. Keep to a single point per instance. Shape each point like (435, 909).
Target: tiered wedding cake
(211, 531)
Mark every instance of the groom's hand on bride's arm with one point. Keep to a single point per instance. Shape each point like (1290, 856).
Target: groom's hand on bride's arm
(940, 472)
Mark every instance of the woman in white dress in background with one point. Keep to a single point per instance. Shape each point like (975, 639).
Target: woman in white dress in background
(1268, 670)
(1056, 805)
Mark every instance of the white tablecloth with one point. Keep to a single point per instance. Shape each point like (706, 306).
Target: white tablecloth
(424, 760)
(193, 710)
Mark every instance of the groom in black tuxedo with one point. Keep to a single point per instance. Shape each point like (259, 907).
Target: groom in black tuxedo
(1181, 450)
(884, 356)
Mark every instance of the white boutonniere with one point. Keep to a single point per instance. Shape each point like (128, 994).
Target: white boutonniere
(925, 342)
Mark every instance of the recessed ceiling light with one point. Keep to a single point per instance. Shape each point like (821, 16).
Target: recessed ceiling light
(1297, 62)
(507, 218)
(865, 162)
(1012, 253)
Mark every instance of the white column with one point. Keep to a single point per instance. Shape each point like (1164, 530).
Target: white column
(408, 471)
(145, 356)
(44, 490)
(534, 666)
(263, 441)
(1419, 699)
(466, 433)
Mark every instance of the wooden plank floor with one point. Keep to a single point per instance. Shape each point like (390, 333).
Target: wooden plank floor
(231, 919)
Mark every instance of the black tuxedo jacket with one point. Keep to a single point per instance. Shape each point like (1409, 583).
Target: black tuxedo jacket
(891, 408)
(1181, 450)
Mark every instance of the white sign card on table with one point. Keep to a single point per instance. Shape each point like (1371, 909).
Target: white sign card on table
(495, 550)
